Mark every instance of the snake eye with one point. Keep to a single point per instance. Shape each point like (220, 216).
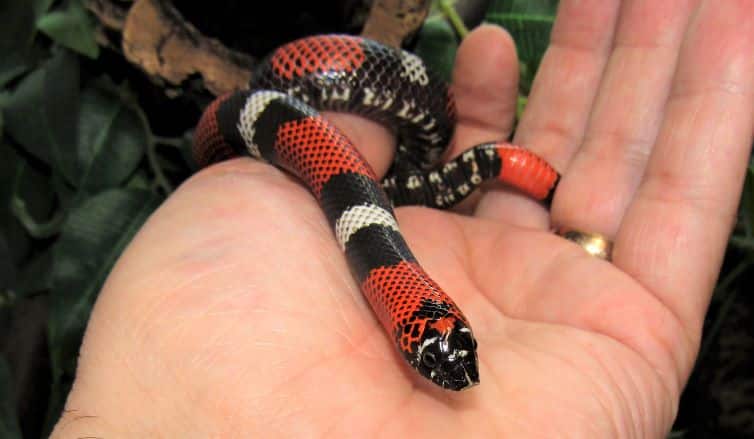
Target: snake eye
(429, 360)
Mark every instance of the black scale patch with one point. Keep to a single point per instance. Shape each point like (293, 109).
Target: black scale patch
(376, 246)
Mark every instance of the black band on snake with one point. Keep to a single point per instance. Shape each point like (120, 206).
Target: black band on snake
(276, 121)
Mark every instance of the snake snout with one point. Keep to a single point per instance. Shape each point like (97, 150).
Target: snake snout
(450, 359)
(461, 365)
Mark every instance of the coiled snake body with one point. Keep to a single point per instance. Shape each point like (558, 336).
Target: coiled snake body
(275, 121)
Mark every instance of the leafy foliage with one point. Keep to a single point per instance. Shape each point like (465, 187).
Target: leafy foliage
(75, 184)
(529, 23)
(71, 27)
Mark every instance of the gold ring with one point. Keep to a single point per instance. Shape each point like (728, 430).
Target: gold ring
(594, 243)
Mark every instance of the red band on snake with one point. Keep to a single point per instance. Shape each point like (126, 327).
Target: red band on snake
(276, 121)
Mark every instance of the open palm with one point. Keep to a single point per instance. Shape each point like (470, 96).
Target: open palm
(234, 313)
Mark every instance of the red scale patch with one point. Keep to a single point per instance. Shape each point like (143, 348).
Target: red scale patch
(526, 171)
(318, 54)
(209, 144)
(314, 150)
(397, 292)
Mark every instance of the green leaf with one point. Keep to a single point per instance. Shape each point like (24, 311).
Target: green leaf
(41, 6)
(93, 237)
(32, 200)
(36, 276)
(521, 102)
(530, 23)
(71, 27)
(7, 267)
(42, 110)
(9, 427)
(10, 168)
(16, 26)
(139, 180)
(20, 179)
(537, 7)
(18, 51)
(747, 204)
(16, 37)
(437, 46)
(111, 139)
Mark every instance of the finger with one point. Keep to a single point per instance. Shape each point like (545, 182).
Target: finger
(485, 83)
(625, 119)
(674, 234)
(562, 93)
(373, 140)
(485, 86)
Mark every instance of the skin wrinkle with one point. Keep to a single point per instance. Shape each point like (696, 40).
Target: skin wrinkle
(585, 45)
(303, 372)
(698, 204)
(635, 151)
(68, 420)
(341, 315)
(665, 29)
(537, 352)
(131, 369)
(620, 397)
(683, 186)
(388, 417)
(563, 133)
(671, 389)
(473, 275)
(475, 122)
(305, 369)
(505, 339)
(691, 332)
(368, 319)
(469, 123)
(604, 404)
(393, 415)
(634, 409)
(555, 136)
(687, 340)
(337, 421)
(143, 335)
(563, 255)
(597, 330)
(274, 399)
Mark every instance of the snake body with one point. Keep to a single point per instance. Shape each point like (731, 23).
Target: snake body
(275, 120)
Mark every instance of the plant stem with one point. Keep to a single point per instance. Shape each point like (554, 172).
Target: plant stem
(151, 148)
(39, 230)
(455, 20)
(175, 142)
(160, 178)
(742, 242)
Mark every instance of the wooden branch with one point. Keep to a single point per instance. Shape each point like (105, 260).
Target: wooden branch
(392, 21)
(109, 15)
(157, 39)
(168, 48)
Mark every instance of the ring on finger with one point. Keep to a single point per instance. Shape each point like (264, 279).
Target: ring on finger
(596, 244)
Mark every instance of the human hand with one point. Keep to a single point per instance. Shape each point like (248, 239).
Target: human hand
(233, 312)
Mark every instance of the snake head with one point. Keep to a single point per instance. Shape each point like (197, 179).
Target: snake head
(447, 355)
